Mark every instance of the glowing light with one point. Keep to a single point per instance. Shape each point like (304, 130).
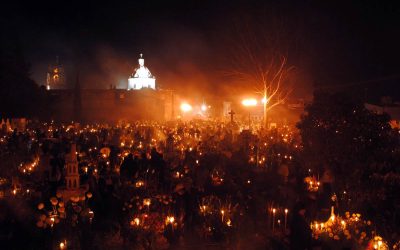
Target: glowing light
(147, 202)
(203, 107)
(185, 107)
(203, 209)
(139, 184)
(170, 219)
(264, 100)
(142, 78)
(136, 221)
(63, 245)
(249, 102)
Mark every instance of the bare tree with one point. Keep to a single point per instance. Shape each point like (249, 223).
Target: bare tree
(259, 59)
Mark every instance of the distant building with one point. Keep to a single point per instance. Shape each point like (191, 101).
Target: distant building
(141, 78)
(55, 78)
(110, 105)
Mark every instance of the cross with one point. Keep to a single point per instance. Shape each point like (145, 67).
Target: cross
(231, 113)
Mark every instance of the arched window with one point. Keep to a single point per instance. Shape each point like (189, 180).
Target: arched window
(74, 183)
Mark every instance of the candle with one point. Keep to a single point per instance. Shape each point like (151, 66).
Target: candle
(170, 221)
(273, 219)
(203, 209)
(286, 212)
(63, 245)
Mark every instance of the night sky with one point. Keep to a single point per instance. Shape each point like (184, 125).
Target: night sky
(188, 43)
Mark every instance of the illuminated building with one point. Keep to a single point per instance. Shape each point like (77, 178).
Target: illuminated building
(141, 78)
(141, 101)
(55, 78)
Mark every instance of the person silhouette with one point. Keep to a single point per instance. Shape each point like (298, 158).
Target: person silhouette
(300, 231)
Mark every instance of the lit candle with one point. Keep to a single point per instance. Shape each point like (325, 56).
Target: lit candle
(204, 207)
(273, 219)
(170, 220)
(63, 245)
(137, 221)
(286, 212)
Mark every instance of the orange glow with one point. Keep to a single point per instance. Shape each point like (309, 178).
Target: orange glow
(170, 220)
(185, 107)
(264, 100)
(249, 102)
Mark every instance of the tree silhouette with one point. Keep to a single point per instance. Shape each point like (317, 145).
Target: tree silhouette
(339, 132)
(19, 93)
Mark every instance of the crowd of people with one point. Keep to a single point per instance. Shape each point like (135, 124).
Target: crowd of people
(149, 185)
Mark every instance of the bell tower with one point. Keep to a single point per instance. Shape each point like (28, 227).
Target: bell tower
(55, 78)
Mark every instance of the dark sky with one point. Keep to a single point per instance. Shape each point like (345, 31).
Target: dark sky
(188, 43)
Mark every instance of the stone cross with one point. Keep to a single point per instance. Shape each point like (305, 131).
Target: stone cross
(231, 113)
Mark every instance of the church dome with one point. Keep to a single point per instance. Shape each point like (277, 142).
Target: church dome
(142, 77)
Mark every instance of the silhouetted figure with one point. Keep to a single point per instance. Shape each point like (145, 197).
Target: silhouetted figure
(128, 168)
(300, 231)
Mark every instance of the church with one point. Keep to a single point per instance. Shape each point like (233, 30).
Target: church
(141, 100)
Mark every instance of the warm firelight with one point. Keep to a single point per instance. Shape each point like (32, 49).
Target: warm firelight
(147, 202)
(170, 219)
(63, 245)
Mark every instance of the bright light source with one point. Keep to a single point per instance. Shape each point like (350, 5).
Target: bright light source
(185, 107)
(264, 100)
(63, 245)
(249, 102)
(203, 107)
(170, 219)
